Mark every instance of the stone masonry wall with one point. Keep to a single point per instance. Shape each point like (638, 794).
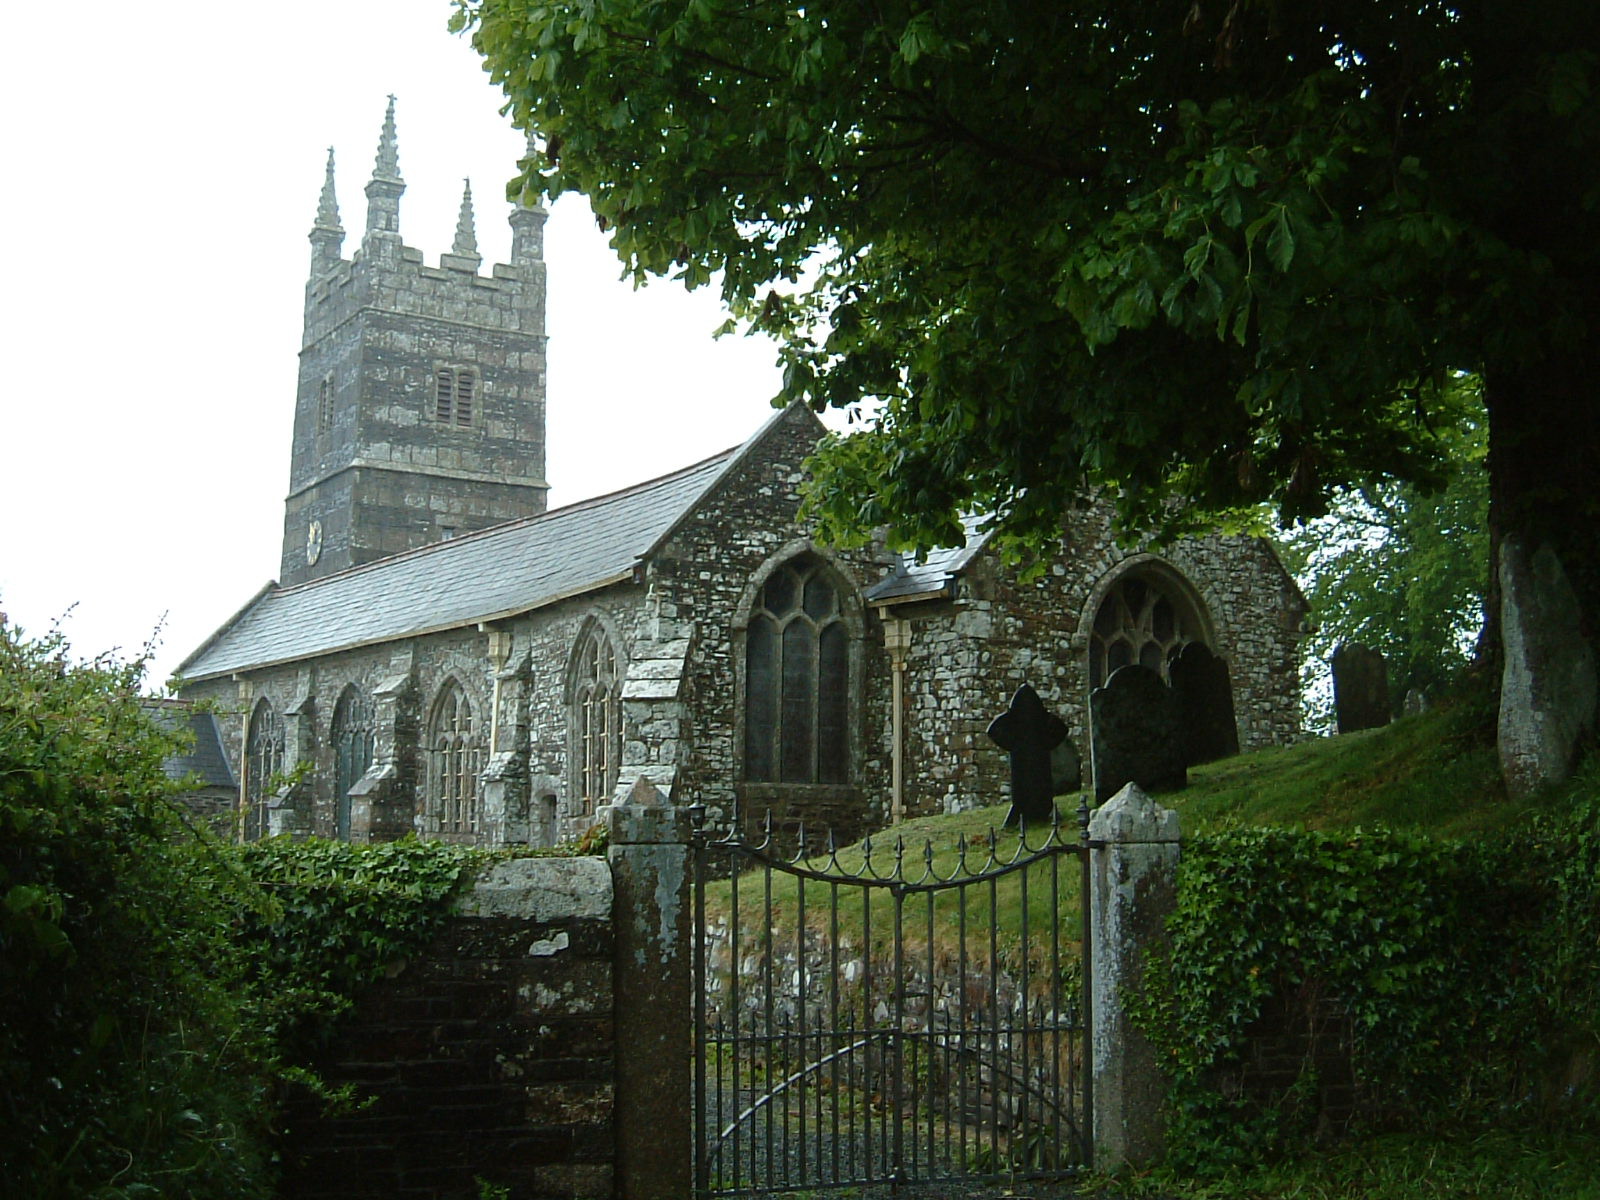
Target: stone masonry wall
(533, 728)
(969, 654)
(384, 475)
(702, 581)
(490, 1055)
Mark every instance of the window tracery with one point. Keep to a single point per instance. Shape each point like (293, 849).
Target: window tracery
(455, 757)
(797, 679)
(597, 718)
(1140, 621)
(352, 734)
(264, 759)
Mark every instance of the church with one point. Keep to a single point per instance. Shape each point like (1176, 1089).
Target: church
(444, 656)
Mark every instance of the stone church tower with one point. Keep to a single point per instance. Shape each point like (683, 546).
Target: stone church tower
(420, 411)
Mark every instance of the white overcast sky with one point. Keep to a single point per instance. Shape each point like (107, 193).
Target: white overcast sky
(162, 165)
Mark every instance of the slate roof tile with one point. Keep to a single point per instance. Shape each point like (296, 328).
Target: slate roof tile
(481, 576)
(934, 573)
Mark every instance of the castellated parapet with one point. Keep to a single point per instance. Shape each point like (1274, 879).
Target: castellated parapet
(420, 409)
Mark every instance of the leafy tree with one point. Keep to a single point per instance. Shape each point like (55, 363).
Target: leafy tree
(1196, 254)
(1400, 569)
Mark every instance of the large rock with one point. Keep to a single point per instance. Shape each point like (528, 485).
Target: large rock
(1547, 686)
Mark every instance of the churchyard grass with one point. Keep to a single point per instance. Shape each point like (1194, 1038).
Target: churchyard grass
(1434, 774)
(931, 845)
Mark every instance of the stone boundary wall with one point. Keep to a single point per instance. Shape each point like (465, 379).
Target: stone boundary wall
(491, 1054)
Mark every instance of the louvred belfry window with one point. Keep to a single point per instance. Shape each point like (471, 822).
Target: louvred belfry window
(797, 668)
(455, 395)
(325, 406)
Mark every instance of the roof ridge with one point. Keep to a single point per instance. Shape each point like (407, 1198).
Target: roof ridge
(587, 504)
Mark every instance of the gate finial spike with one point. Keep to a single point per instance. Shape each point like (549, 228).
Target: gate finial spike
(800, 843)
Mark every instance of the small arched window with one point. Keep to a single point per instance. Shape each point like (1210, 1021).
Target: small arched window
(352, 735)
(1141, 620)
(455, 756)
(797, 677)
(596, 718)
(263, 760)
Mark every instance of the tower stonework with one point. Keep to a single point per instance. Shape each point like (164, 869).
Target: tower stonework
(420, 410)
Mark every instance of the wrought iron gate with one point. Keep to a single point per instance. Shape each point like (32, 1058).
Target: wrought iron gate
(892, 1014)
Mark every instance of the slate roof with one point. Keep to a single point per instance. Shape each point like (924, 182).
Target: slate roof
(205, 758)
(933, 574)
(481, 576)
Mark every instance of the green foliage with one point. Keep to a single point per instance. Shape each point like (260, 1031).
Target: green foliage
(1401, 570)
(341, 915)
(124, 1068)
(1513, 1162)
(1465, 970)
(160, 988)
(1197, 256)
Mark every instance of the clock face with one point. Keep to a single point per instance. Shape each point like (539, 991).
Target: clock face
(313, 543)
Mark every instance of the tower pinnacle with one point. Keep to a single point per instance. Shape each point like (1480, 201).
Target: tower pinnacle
(527, 220)
(387, 166)
(385, 187)
(466, 244)
(328, 202)
(327, 235)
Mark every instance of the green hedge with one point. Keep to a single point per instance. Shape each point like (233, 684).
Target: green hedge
(1467, 974)
(159, 988)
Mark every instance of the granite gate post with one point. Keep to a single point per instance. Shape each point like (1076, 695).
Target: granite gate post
(649, 857)
(1133, 885)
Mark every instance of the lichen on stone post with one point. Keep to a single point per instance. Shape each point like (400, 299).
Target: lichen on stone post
(1133, 874)
(649, 857)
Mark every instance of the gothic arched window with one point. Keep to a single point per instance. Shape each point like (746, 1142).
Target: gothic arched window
(352, 735)
(1142, 620)
(263, 759)
(596, 718)
(797, 679)
(455, 755)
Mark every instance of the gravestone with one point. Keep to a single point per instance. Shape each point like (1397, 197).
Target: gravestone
(1204, 693)
(1029, 732)
(1066, 769)
(1416, 703)
(1135, 734)
(1360, 688)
